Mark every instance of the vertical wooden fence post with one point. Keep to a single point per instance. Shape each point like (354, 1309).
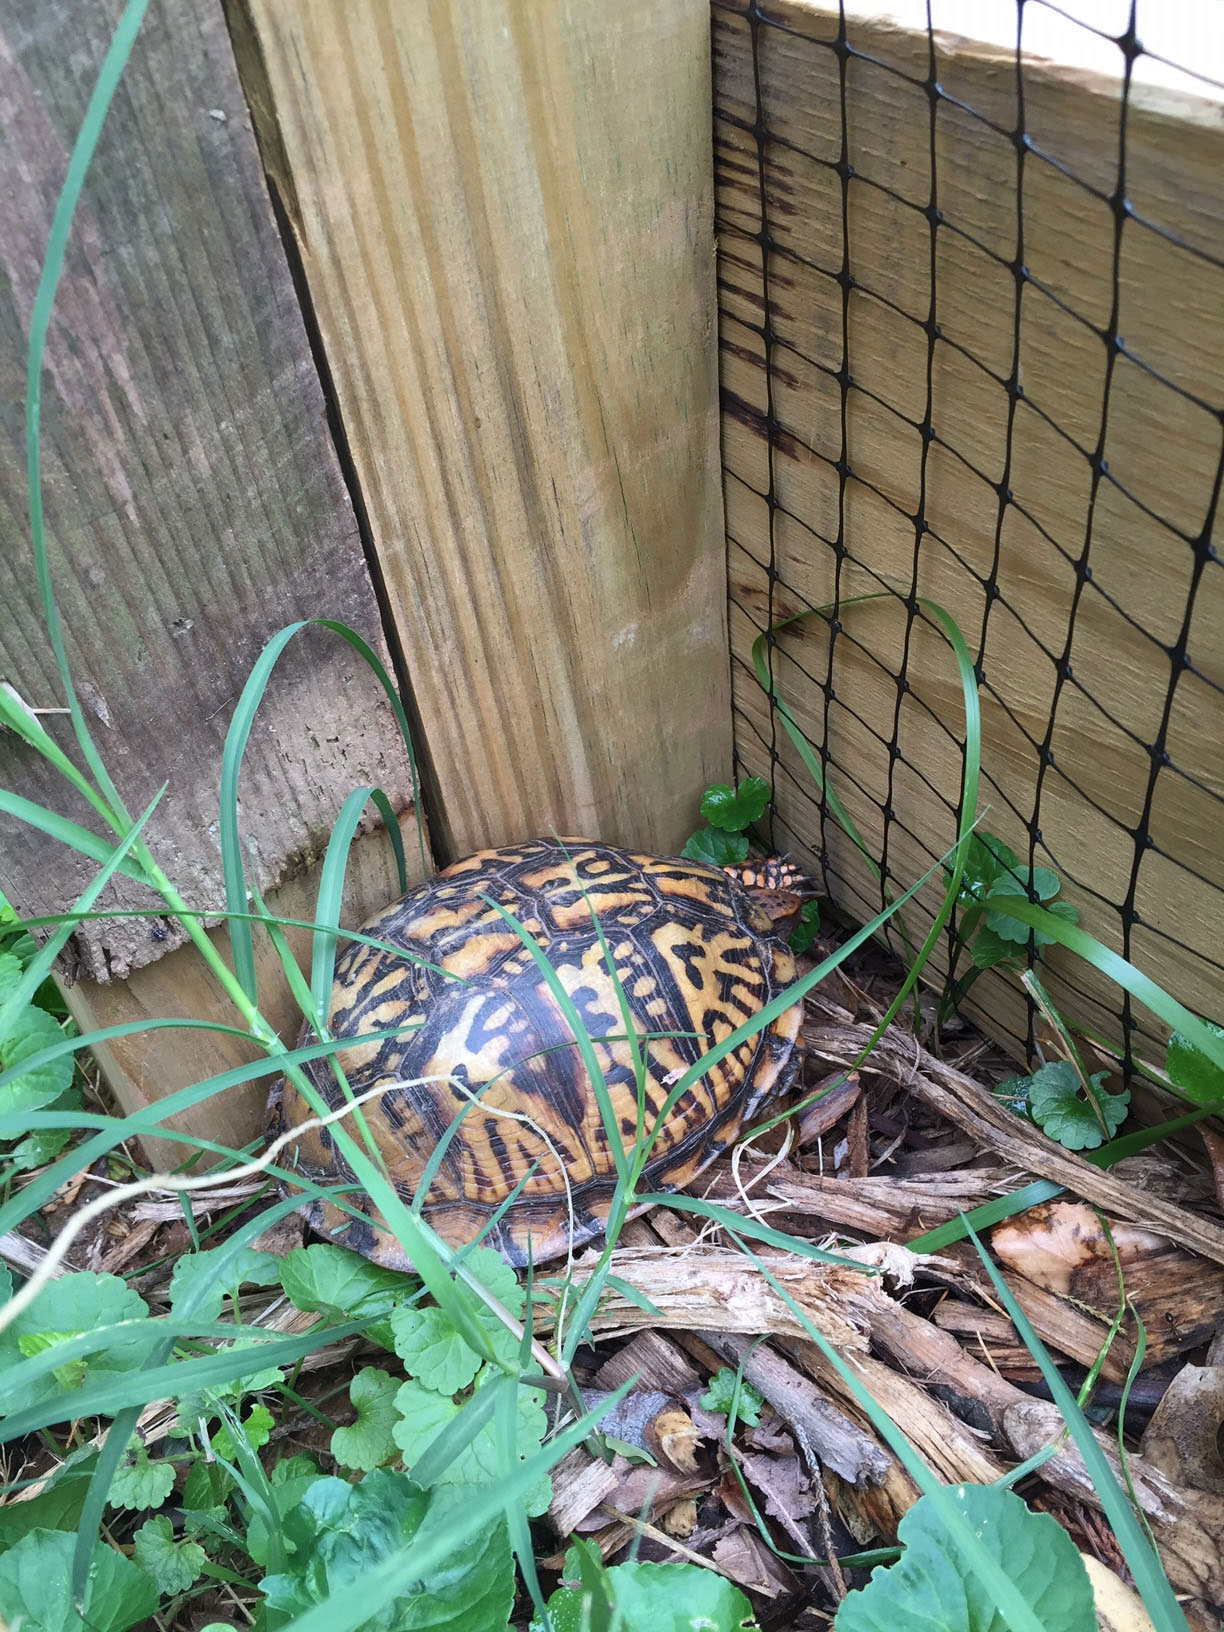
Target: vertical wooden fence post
(504, 217)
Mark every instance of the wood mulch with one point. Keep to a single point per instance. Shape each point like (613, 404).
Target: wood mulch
(899, 1145)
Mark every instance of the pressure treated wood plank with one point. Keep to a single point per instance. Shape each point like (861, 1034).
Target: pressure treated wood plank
(504, 214)
(1162, 449)
(194, 497)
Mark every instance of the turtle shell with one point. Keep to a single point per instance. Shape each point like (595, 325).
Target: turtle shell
(493, 1051)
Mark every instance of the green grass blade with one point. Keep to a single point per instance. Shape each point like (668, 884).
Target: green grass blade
(582, 1036)
(459, 1432)
(26, 724)
(232, 867)
(331, 893)
(113, 64)
(745, 1224)
(39, 966)
(236, 740)
(392, 695)
(1118, 970)
(66, 832)
(89, 1522)
(115, 1132)
(984, 1216)
(1141, 1558)
(137, 1388)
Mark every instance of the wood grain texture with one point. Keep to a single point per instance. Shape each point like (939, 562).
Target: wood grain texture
(504, 213)
(149, 1066)
(1093, 657)
(194, 498)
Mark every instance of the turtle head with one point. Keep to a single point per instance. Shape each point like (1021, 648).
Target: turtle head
(777, 886)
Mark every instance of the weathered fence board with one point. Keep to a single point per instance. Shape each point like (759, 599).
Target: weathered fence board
(856, 506)
(504, 215)
(194, 498)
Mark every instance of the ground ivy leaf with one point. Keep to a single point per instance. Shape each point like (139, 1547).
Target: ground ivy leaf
(717, 848)
(423, 1415)
(202, 1281)
(1045, 883)
(257, 1427)
(989, 950)
(339, 1532)
(1191, 1070)
(339, 1282)
(28, 1033)
(721, 1392)
(496, 1276)
(369, 1442)
(1059, 1109)
(172, 1565)
(733, 810)
(139, 1483)
(69, 1307)
(933, 1586)
(37, 1149)
(432, 1350)
(36, 1592)
(987, 859)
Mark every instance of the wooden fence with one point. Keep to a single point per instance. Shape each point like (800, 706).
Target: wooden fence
(443, 371)
(973, 351)
(406, 316)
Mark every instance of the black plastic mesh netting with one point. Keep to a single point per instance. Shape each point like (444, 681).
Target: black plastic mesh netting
(971, 306)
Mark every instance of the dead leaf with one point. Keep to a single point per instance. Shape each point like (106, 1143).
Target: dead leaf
(748, 1562)
(1183, 1437)
(782, 1482)
(1054, 1245)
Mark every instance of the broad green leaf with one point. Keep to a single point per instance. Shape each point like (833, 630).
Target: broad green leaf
(369, 1442)
(206, 1487)
(57, 1506)
(71, 1307)
(432, 1350)
(202, 1281)
(28, 1033)
(648, 1598)
(36, 1593)
(987, 859)
(732, 810)
(338, 1281)
(989, 950)
(677, 1598)
(423, 1415)
(287, 1491)
(140, 1483)
(1009, 928)
(932, 1588)
(1060, 1110)
(257, 1428)
(37, 1149)
(1045, 883)
(717, 848)
(339, 1532)
(172, 1565)
(1191, 1070)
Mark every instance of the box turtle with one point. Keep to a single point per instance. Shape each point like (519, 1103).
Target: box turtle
(696, 953)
